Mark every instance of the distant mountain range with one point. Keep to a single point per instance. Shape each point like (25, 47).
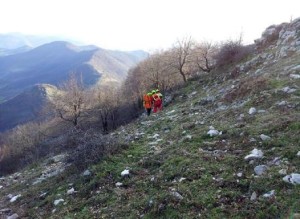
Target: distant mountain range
(25, 106)
(14, 41)
(51, 64)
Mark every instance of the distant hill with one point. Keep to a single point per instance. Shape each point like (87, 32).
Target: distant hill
(24, 107)
(53, 62)
(12, 41)
(6, 52)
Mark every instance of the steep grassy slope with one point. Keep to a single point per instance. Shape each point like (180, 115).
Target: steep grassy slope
(176, 169)
(247, 167)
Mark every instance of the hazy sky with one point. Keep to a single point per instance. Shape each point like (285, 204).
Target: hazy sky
(145, 24)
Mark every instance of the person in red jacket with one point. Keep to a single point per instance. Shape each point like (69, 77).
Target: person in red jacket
(148, 102)
(157, 98)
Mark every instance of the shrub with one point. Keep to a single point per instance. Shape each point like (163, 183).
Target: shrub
(20, 146)
(231, 52)
(91, 147)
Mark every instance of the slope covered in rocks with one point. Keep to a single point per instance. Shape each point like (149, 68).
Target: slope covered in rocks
(226, 145)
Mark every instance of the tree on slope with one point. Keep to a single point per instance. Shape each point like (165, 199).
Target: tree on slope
(69, 102)
(181, 56)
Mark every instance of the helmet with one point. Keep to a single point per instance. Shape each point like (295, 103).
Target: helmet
(149, 93)
(153, 91)
(156, 90)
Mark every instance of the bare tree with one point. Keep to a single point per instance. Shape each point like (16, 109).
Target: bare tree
(181, 56)
(68, 102)
(203, 56)
(107, 102)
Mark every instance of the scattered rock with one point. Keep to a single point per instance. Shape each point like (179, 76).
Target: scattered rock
(255, 154)
(241, 117)
(155, 136)
(295, 76)
(125, 173)
(187, 137)
(260, 170)
(176, 195)
(119, 184)
(282, 103)
(276, 161)
(253, 196)
(58, 158)
(86, 173)
(269, 194)
(13, 199)
(293, 178)
(5, 211)
(288, 90)
(213, 132)
(282, 172)
(56, 202)
(182, 179)
(264, 137)
(170, 112)
(14, 216)
(71, 191)
(193, 94)
(252, 111)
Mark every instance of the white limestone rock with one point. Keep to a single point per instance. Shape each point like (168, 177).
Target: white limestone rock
(119, 184)
(213, 132)
(14, 198)
(269, 194)
(264, 137)
(255, 154)
(56, 202)
(125, 173)
(14, 216)
(252, 111)
(86, 173)
(260, 169)
(71, 191)
(293, 178)
(253, 196)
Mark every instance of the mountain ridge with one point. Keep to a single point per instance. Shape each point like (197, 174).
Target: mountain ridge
(53, 63)
(26, 106)
(60, 59)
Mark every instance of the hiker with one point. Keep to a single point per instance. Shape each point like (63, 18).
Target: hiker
(148, 102)
(157, 98)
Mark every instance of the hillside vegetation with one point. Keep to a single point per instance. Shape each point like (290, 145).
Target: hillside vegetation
(226, 145)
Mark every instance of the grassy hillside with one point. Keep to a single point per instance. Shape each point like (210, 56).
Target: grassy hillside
(176, 169)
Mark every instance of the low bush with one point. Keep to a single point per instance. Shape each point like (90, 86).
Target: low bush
(90, 147)
(232, 52)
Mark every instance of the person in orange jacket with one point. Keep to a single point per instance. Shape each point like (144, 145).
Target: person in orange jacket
(148, 102)
(157, 98)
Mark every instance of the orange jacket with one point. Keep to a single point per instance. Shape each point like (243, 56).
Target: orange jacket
(147, 101)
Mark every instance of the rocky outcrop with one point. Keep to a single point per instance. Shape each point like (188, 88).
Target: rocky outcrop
(285, 36)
